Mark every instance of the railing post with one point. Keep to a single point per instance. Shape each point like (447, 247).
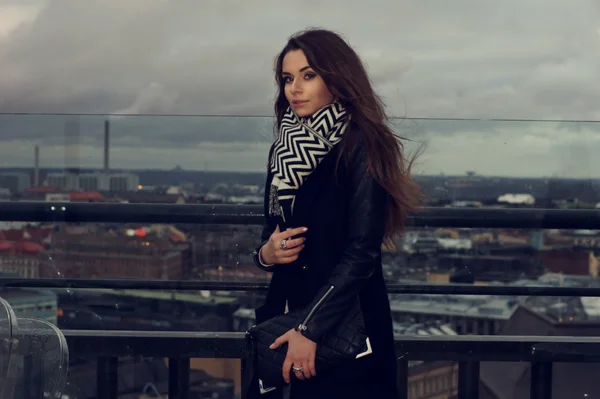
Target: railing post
(179, 378)
(245, 376)
(33, 383)
(468, 380)
(402, 379)
(107, 378)
(541, 380)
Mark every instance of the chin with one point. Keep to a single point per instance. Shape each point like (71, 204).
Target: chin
(303, 113)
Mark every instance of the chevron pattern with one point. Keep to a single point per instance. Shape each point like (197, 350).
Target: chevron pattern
(301, 146)
(303, 143)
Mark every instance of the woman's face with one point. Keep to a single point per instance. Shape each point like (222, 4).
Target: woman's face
(304, 89)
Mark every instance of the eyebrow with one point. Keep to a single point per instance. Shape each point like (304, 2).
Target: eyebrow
(301, 70)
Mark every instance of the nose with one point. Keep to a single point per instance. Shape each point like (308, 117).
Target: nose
(296, 86)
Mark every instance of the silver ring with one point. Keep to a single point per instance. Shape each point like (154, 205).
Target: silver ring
(297, 369)
(283, 244)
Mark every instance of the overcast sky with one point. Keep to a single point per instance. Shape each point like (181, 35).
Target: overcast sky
(482, 59)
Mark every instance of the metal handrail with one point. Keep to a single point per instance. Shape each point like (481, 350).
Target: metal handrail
(208, 344)
(521, 218)
(468, 351)
(245, 286)
(517, 218)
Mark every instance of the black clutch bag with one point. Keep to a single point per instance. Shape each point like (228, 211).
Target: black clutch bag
(347, 341)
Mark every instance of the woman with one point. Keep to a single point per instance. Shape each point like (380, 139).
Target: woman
(338, 187)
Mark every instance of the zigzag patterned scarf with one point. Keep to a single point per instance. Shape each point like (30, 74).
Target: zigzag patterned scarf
(301, 146)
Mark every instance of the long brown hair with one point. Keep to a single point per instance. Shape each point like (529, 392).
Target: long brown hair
(344, 74)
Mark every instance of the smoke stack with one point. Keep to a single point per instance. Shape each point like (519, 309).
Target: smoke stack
(36, 170)
(72, 140)
(106, 146)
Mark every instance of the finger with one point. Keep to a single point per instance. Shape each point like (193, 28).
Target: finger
(295, 242)
(275, 236)
(311, 366)
(299, 374)
(285, 370)
(284, 253)
(287, 259)
(278, 342)
(306, 369)
(293, 232)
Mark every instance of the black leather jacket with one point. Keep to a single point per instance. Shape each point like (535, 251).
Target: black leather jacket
(348, 244)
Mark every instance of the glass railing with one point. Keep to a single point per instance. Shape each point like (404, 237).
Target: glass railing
(153, 251)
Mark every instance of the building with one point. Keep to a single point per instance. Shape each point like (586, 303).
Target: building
(144, 197)
(145, 310)
(93, 182)
(94, 251)
(517, 199)
(123, 182)
(96, 181)
(511, 380)
(151, 310)
(146, 378)
(21, 258)
(477, 315)
(15, 182)
(581, 262)
(21, 251)
(62, 181)
(488, 268)
(31, 303)
(433, 380)
(85, 196)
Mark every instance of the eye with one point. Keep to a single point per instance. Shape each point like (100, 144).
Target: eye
(310, 75)
(286, 79)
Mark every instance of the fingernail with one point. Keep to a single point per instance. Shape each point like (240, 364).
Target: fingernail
(304, 229)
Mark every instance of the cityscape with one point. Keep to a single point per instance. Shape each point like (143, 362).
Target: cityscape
(162, 113)
(552, 258)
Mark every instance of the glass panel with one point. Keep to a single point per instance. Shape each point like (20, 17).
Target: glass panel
(200, 150)
(8, 337)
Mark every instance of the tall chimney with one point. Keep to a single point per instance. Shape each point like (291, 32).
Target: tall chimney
(36, 170)
(106, 146)
(72, 140)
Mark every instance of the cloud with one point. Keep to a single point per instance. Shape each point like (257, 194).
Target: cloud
(241, 144)
(517, 59)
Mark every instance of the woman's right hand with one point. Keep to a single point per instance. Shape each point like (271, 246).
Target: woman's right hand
(272, 253)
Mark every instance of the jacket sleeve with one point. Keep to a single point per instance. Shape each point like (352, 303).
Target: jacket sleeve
(366, 214)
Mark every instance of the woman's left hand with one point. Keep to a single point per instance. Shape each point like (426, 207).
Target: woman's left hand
(301, 353)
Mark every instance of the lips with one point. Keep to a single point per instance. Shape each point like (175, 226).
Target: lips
(298, 103)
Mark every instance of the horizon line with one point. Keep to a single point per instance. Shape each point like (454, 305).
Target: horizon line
(465, 175)
(392, 117)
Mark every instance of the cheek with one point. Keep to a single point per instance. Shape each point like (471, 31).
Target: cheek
(287, 91)
(324, 94)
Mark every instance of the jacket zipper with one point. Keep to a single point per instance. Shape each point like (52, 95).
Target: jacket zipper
(303, 326)
(319, 137)
(282, 213)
